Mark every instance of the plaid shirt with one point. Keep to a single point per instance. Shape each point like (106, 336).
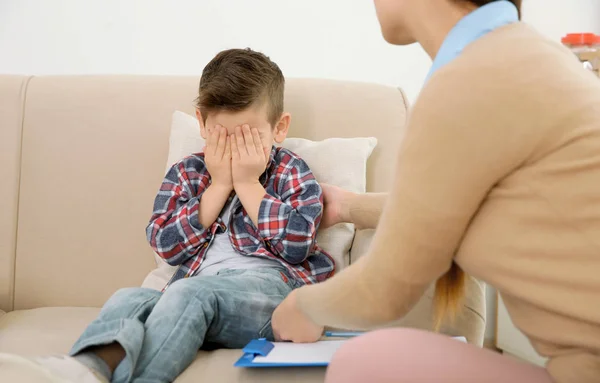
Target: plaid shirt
(288, 218)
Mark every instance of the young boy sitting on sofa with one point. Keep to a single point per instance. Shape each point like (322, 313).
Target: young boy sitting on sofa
(240, 221)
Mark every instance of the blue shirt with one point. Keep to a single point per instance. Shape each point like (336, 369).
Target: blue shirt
(473, 26)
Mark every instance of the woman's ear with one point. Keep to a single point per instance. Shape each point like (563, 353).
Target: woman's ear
(201, 122)
(282, 127)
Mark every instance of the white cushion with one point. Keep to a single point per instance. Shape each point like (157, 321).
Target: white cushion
(337, 161)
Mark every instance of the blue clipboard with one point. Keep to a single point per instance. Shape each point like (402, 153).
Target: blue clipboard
(262, 347)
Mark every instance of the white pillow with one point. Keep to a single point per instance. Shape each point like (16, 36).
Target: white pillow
(337, 161)
(184, 139)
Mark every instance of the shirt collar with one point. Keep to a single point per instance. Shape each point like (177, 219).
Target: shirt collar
(272, 155)
(473, 26)
(270, 166)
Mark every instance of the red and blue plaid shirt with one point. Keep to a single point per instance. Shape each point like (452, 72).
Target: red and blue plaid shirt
(288, 219)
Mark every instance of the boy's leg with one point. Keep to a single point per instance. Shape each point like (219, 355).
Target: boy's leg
(229, 309)
(118, 332)
(413, 356)
(245, 309)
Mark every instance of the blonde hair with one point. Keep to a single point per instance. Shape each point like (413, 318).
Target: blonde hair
(449, 294)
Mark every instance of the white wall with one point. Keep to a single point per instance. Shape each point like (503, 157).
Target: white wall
(337, 39)
(306, 38)
(556, 18)
(311, 38)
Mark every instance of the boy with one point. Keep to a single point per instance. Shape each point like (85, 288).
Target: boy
(240, 221)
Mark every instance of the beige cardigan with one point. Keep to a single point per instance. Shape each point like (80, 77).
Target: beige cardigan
(500, 171)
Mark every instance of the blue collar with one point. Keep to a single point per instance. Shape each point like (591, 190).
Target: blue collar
(473, 26)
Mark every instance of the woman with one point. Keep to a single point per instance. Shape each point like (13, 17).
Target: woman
(499, 176)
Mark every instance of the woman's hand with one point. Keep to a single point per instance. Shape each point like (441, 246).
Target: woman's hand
(289, 323)
(336, 205)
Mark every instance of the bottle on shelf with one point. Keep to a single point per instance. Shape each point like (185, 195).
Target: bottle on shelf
(586, 46)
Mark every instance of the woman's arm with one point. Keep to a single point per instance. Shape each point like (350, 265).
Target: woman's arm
(363, 210)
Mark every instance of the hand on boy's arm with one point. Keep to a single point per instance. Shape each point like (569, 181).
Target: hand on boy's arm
(249, 160)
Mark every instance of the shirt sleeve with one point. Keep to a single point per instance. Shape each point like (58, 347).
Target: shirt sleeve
(464, 136)
(174, 231)
(289, 224)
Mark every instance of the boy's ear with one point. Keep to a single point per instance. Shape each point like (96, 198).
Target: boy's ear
(201, 122)
(282, 127)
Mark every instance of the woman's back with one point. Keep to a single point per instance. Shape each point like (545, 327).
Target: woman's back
(536, 236)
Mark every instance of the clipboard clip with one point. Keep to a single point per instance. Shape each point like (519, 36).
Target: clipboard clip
(261, 347)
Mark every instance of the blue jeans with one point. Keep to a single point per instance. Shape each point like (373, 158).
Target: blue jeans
(162, 332)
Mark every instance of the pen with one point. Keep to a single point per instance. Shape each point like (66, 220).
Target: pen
(343, 334)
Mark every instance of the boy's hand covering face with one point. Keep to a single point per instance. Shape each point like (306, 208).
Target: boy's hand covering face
(249, 157)
(217, 156)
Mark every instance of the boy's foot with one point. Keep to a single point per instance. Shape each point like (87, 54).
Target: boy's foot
(52, 369)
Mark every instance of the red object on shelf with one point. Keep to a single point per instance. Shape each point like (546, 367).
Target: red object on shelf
(580, 39)
(586, 46)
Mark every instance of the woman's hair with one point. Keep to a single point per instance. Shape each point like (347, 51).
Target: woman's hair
(449, 292)
(480, 3)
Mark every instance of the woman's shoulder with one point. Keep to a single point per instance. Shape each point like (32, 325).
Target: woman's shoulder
(515, 60)
(527, 101)
(513, 75)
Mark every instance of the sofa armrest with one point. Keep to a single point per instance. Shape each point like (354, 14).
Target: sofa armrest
(12, 101)
(471, 319)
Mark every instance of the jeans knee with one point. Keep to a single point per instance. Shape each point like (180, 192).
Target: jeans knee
(127, 302)
(182, 286)
(188, 290)
(131, 295)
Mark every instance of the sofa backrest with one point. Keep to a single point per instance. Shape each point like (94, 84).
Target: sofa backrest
(93, 154)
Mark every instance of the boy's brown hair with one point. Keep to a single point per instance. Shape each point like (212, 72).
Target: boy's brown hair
(237, 79)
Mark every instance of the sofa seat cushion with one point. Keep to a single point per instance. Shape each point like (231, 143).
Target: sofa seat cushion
(52, 330)
(217, 366)
(43, 331)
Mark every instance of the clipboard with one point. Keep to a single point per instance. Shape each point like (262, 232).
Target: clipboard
(260, 353)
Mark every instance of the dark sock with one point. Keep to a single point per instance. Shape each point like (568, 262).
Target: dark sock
(93, 361)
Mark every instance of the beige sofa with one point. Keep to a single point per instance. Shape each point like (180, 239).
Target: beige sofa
(82, 158)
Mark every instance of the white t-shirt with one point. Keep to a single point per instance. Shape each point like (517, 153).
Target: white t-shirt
(221, 254)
